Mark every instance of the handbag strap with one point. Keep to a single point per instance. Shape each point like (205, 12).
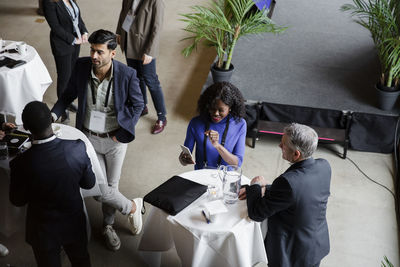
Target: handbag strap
(205, 162)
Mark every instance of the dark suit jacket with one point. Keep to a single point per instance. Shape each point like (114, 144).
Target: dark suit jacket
(128, 99)
(62, 30)
(295, 205)
(48, 178)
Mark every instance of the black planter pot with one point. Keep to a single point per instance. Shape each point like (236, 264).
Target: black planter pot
(386, 96)
(221, 75)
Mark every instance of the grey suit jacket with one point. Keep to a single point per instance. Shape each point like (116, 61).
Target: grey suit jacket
(144, 34)
(295, 205)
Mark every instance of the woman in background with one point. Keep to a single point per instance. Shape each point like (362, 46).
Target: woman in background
(219, 131)
(67, 33)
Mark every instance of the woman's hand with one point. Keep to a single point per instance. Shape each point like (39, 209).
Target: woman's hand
(85, 38)
(78, 41)
(185, 159)
(213, 136)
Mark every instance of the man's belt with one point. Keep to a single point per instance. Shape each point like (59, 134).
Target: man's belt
(102, 135)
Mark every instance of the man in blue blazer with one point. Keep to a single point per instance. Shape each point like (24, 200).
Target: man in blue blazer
(48, 178)
(109, 105)
(295, 203)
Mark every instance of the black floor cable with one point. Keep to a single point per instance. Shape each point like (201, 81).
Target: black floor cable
(359, 169)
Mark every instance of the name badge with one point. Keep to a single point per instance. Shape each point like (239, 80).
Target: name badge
(128, 21)
(97, 121)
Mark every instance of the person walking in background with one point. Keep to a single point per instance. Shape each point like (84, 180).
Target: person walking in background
(67, 33)
(138, 31)
(109, 106)
(295, 203)
(219, 132)
(48, 178)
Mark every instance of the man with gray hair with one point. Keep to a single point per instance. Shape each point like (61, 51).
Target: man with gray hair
(295, 203)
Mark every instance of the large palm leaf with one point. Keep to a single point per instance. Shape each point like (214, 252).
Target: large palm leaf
(221, 23)
(382, 19)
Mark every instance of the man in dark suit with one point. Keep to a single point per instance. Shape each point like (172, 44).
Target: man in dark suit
(48, 178)
(295, 203)
(109, 106)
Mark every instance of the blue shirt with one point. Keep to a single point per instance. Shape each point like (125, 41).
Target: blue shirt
(234, 142)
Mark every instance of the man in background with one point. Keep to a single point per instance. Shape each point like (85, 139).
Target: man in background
(109, 106)
(139, 30)
(295, 203)
(48, 178)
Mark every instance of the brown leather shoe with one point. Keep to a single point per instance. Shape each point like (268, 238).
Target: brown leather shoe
(159, 126)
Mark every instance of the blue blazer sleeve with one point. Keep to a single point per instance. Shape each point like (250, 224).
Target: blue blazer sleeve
(277, 198)
(190, 140)
(133, 105)
(239, 147)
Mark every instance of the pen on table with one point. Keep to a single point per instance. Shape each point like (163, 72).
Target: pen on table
(205, 217)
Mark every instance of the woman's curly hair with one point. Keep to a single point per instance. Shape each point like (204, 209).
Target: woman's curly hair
(227, 93)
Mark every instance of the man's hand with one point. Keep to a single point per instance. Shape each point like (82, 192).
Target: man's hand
(2, 134)
(242, 193)
(118, 39)
(146, 59)
(213, 136)
(8, 126)
(259, 180)
(185, 159)
(115, 139)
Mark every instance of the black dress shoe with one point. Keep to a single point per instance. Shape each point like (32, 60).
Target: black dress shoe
(72, 107)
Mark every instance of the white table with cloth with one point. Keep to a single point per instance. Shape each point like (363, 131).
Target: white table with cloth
(12, 218)
(22, 84)
(232, 240)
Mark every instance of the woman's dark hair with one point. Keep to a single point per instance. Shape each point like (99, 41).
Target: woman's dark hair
(227, 93)
(104, 37)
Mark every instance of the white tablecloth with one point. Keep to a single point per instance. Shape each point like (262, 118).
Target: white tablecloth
(232, 240)
(22, 84)
(12, 218)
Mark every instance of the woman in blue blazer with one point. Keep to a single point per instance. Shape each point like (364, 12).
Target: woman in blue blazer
(67, 33)
(219, 132)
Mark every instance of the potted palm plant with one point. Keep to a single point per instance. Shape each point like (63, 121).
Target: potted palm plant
(382, 19)
(220, 24)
